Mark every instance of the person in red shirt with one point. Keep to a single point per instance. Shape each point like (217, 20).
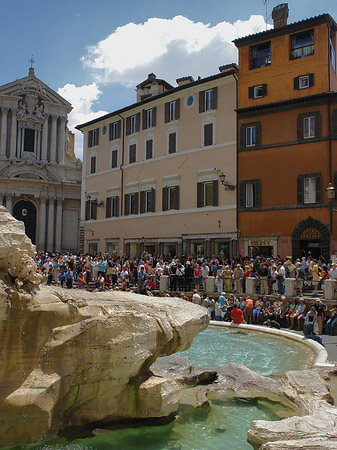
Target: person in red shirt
(237, 314)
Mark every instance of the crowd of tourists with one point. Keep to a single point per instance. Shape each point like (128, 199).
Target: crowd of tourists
(106, 271)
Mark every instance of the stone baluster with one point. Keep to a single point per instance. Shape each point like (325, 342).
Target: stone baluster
(44, 145)
(290, 288)
(53, 137)
(12, 153)
(250, 286)
(210, 285)
(330, 290)
(61, 140)
(58, 225)
(42, 224)
(50, 229)
(3, 138)
(164, 283)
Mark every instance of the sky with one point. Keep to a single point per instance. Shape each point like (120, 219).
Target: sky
(94, 53)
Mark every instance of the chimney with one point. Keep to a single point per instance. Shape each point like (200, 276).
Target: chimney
(184, 80)
(280, 15)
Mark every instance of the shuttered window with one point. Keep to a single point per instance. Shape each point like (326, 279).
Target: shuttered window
(172, 143)
(172, 111)
(208, 134)
(91, 210)
(334, 124)
(250, 193)
(147, 201)
(115, 130)
(114, 162)
(132, 124)
(93, 137)
(304, 81)
(309, 188)
(208, 100)
(93, 164)
(149, 149)
(207, 193)
(257, 91)
(309, 125)
(131, 203)
(170, 198)
(250, 135)
(149, 118)
(132, 153)
(112, 206)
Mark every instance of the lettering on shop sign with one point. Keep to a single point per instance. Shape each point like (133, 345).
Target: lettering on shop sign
(259, 242)
(311, 233)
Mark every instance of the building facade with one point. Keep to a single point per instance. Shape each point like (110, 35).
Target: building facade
(40, 178)
(287, 146)
(151, 170)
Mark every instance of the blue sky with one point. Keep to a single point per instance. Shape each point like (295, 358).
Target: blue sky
(94, 53)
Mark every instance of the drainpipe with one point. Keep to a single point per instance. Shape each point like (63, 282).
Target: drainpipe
(237, 159)
(122, 166)
(329, 107)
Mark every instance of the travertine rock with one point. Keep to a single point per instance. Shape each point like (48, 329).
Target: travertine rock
(72, 357)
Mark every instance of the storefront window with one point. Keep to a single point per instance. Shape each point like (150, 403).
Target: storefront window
(197, 248)
(149, 248)
(92, 247)
(169, 250)
(111, 248)
(222, 249)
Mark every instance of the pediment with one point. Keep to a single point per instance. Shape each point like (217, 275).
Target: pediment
(29, 170)
(31, 85)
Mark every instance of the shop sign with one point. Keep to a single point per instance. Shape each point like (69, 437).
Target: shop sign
(259, 242)
(311, 233)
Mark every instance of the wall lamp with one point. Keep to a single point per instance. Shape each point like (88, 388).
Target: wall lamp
(100, 203)
(228, 186)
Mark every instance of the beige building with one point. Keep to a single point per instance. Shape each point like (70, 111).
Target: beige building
(40, 178)
(151, 171)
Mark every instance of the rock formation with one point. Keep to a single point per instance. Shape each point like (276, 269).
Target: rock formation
(73, 357)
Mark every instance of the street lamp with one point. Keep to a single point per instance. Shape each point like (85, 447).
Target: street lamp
(227, 185)
(330, 193)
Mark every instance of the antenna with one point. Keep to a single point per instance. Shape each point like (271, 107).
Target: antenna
(265, 2)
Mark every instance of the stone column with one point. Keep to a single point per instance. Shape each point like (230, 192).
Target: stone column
(44, 145)
(3, 138)
(58, 225)
(330, 287)
(50, 229)
(250, 286)
(53, 138)
(164, 283)
(9, 203)
(290, 289)
(208, 250)
(12, 153)
(61, 140)
(42, 225)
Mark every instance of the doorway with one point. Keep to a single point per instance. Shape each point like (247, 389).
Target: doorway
(26, 212)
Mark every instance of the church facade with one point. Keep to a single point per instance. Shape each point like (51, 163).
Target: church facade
(40, 178)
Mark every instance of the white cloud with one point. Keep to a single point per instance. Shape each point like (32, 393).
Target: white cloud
(82, 99)
(171, 48)
(177, 45)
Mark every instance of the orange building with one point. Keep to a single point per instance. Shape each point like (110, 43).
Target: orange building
(287, 138)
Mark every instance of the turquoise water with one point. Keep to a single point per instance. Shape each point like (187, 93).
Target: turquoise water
(261, 352)
(225, 424)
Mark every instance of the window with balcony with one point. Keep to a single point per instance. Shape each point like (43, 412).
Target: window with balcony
(302, 44)
(207, 193)
(260, 55)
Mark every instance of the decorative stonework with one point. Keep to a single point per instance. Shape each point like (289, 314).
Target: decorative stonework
(311, 224)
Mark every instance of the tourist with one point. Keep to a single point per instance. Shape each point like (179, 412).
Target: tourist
(196, 299)
(319, 307)
(236, 315)
(197, 277)
(298, 315)
(257, 310)
(282, 314)
(218, 310)
(238, 275)
(249, 310)
(331, 322)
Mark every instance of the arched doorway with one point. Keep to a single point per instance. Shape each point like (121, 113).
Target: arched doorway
(26, 211)
(311, 236)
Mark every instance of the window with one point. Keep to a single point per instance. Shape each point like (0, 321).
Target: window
(260, 55)
(309, 188)
(93, 164)
(334, 124)
(258, 91)
(149, 149)
(132, 124)
(304, 81)
(132, 153)
(170, 198)
(147, 201)
(302, 44)
(131, 203)
(91, 209)
(149, 118)
(250, 135)
(332, 56)
(172, 111)
(207, 193)
(29, 140)
(250, 193)
(208, 134)
(172, 143)
(93, 138)
(112, 206)
(114, 157)
(115, 130)
(309, 125)
(208, 100)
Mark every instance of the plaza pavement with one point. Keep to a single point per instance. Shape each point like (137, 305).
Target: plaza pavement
(330, 343)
